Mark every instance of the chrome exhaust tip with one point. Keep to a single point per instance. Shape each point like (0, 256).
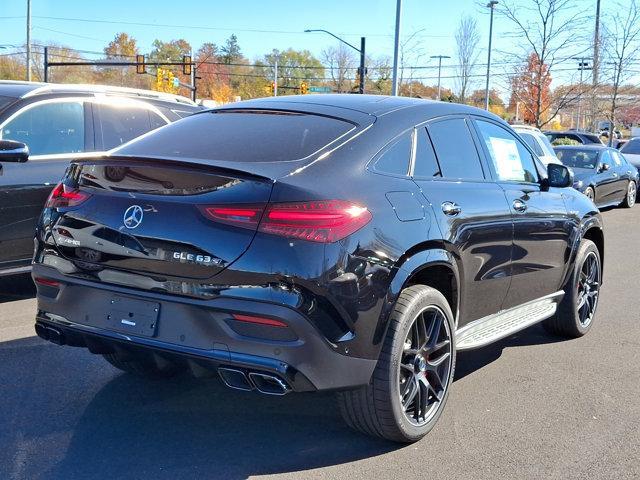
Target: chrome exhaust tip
(235, 379)
(269, 384)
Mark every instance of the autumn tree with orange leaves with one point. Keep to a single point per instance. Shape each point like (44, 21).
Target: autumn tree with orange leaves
(531, 88)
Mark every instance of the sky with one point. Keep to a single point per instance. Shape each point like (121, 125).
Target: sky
(263, 25)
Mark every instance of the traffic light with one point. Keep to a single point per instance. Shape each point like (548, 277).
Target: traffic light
(304, 88)
(140, 65)
(186, 65)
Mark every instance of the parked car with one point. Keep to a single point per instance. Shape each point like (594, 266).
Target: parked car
(538, 142)
(56, 123)
(601, 173)
(604, 132)
(631, 151)
(328, 242)
(582, 138)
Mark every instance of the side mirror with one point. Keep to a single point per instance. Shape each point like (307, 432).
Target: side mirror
(603, 167)
(559, 176)
(11, 151)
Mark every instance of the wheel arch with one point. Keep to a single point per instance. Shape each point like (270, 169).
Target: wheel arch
(596, 235)
(433, 267)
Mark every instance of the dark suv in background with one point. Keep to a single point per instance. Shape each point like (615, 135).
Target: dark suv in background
(323, 242)
(57, 123)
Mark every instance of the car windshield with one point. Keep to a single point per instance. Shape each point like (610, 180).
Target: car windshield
(632, 147)
(578, 158)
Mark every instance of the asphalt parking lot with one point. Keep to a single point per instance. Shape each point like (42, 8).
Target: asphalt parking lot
(531, 406)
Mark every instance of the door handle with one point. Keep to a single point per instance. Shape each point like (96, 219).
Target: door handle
(451, 208)
(614, 175)
(519, 206)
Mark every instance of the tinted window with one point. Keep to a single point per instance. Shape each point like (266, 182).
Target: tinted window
(395, 158)
(255, 136)
(592, 139)
(156, 120)
(121, 123)
(455, 150)
(49, 128)
(632, 147)
(527, 137)
(426, 164)
(578, 158)
(511, 159)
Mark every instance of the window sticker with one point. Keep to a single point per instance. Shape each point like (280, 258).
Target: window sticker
(506, 159)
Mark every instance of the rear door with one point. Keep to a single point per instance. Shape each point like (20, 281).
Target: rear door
(472, 212)
(623, 171)
(55, 130)
(608, 181)
(542, 232)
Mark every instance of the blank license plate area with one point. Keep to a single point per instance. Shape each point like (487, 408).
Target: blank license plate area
(136, 317)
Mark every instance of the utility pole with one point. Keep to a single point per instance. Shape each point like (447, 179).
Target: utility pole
(596, 66)
(396, 49)
(362, 69)
(439, 57)
(492, 4)
(28, 40)
(275, 77)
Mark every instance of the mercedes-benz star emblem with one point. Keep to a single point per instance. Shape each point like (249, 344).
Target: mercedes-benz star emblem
(133, 216)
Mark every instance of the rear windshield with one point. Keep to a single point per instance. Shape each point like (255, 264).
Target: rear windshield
(243, 136)
(578, 158)
(632, 147)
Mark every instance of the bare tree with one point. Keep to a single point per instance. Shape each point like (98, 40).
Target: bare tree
(411, 52)
(548, 30)
(467, 39)
(340, 61)
(622, 51)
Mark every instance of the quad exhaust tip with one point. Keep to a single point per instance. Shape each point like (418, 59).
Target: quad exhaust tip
(262, 382)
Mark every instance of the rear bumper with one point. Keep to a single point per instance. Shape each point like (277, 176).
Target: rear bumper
(198, 333)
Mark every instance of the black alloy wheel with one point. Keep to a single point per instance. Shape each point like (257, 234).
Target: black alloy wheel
(425, 367)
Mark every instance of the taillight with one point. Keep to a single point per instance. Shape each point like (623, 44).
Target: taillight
(65, 196)
(246, 216)
(322, 221)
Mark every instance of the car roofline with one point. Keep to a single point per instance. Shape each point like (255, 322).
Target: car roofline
(45, 88)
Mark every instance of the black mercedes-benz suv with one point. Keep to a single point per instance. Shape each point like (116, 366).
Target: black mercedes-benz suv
(45, 125)
(351, 243)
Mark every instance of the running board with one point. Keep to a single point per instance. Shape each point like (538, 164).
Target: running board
(500, 325)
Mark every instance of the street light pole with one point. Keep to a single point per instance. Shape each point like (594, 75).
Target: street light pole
(275, 77)
(491, 6)
(396, 49)
(439, 57)
(362, 69)
(582, 66)
(28, 40)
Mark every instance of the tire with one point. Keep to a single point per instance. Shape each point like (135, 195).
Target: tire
(630, 198)
(143, 367)
(571, 319)
(411, 373)
(590, 193)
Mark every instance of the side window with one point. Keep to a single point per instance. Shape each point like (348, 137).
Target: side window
(49, 128)
(121, 123)
(511, 159)
(156, 120)
(395, 158)
(532, 142)
(426, 164)
(455, 149)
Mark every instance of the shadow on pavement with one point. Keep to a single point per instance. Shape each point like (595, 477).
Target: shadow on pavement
(16, 287)
(80, 418)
